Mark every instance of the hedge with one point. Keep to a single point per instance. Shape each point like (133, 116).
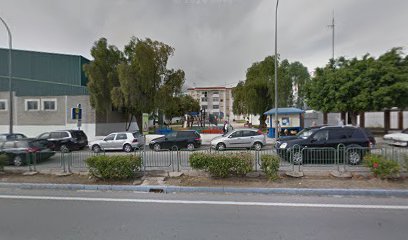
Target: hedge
(222, 165)
(270, 165)
(114, 167)
(382, 167)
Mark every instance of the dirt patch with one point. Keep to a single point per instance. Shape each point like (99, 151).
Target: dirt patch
(202, 181)
(48, 178)
(287, 182)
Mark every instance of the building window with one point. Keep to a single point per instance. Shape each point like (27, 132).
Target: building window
(32, 104)
(203, 99)
(3, 105)
(215, 99)
(216, 107)
(216, 92)
(204, 107)
(204, 94)
(221, 100)
(49, 104)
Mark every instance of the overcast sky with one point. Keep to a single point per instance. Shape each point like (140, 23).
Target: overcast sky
(215, 40)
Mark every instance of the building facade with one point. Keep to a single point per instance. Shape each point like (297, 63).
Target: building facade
(45, 88)
(215, 100)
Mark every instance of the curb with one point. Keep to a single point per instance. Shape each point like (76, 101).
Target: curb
(175, 189)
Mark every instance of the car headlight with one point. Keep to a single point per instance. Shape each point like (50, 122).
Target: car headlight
(283, 145)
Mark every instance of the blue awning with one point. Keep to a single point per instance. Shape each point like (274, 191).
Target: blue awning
(284, 111)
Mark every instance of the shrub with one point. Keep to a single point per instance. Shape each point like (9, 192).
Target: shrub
(382, 167)
(199, 160)
(114, 167)
(3, 161)
(270, 165)
(222, 165)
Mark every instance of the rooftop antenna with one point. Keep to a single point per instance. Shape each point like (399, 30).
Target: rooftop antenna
(332, 26)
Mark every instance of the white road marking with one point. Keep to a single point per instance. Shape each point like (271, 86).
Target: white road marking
(191, 202)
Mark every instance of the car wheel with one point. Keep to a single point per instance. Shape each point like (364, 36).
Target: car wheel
(354, 157)
(96, 149)
(221, 146)
(258, 146)
(64, 148)
(190, 146)
(297, 158)
(127, 148)
(18, 161)
(156, 147)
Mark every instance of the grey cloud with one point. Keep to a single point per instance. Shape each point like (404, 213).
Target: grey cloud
(215, 40)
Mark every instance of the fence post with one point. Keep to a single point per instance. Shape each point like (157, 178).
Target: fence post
(178, 160)
(62, 159)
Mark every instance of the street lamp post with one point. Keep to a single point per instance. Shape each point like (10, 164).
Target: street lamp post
(10, 90)
(276, 71)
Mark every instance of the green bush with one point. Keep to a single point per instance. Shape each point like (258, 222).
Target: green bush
(3, 161)
(270, 165)
(199, 160)
(382, 167)
(222, 165)
(114, 167)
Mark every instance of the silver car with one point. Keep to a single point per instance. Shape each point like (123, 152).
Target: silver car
(126, 141)
(240, 138)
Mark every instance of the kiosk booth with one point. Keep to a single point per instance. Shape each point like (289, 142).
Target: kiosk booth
(290, 119)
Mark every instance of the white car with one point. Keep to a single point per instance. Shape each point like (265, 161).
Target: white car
(397, 139)
(126, 141)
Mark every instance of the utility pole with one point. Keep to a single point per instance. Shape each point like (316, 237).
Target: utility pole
(332, 26)
(276, 71)
(10, 72)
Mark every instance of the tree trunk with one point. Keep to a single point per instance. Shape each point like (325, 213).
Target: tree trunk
(139, 121)
(353, 118)
(262, 120)
(129, 123)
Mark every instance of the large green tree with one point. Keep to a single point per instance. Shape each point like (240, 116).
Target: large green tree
(257, 94)
(102, 74)
(358, 85)
(136, 80)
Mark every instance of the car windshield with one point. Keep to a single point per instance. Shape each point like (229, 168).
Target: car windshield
(305, 133)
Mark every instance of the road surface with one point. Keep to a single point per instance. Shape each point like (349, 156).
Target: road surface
(34, 214)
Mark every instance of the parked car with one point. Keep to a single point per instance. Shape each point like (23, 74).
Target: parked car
(397, 139)
(240, 138)
(126, 141)
(11, 136)
(19, 151)
(189, 139)
(65, 140)
(327, 137)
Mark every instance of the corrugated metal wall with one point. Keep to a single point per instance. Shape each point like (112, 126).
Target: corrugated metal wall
(43, 74)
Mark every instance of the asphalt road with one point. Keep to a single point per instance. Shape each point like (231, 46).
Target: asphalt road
(29, 214)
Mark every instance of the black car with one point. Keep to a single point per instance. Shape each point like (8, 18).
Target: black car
(18, 152)
(324, 142)
(65, 140)
(12, 136)
(189, 139)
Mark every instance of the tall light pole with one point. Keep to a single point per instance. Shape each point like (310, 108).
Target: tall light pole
(276, 71)
(10, 90)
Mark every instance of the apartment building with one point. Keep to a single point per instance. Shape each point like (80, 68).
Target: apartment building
(215, 100)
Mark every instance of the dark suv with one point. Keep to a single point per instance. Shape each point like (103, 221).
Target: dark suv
(65, 140)
(189, 139)
(324, 142)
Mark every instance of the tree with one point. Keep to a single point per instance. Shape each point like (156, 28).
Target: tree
(102, 74)
(136, 80)
(145, 81)
(257, 94)
(180, 105)
(359, 85)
